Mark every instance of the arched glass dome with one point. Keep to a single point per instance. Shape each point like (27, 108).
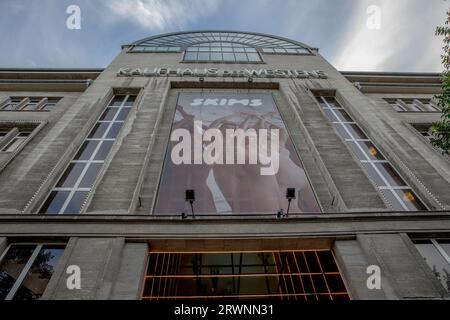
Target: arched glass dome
(228, 46)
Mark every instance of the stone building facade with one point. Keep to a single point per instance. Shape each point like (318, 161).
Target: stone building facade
(83, 155)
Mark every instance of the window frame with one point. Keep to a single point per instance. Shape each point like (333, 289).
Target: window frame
(40, 103)
(388, 188)
(23, 274)
(87, 164)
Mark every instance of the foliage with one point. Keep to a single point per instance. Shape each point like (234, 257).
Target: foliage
(441, 130)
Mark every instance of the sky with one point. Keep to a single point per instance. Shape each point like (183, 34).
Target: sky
(353, 35)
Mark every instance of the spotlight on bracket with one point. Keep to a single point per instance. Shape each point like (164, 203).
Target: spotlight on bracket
(250, 80)
(190, 197)
(290, 195)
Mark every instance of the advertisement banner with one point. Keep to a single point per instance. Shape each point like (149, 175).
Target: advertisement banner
(234, 151)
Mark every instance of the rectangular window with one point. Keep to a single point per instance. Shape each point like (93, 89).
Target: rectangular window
(73, 187)
(33, 104)
(283, 275)
(245, 125)
(11, 104)
(50, 104)
(16, 141)
(425, 130)
(394, 189)
(26, 269)
(436, 254)
(15, 136)
(412, 105)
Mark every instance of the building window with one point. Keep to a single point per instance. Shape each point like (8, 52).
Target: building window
(221, 42)
(395, 190)
(72, 189)
(29, 104)
(12, 137)
(11, 104)
(283, 275)
(436, 254)
(221, 51)
(425, 131)
(413, 105)
(234, 184)
(16, 141)
(49, 104)
(26, 269)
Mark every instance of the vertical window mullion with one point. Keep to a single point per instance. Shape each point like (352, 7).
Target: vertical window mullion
(24, 273)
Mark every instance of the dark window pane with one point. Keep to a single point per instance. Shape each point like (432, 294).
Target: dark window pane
(108, 114)
(327, 261)
(130, 101)
(312, 262)
(71, 175)
(87, 150)
(76, 203)
(332, 102)
(321, 102)
(91, 175)
(410, 200)
(338, 297)
(12, 265)
(103, 151)
(307, 284)
(117, 101)
(335, 283)
(123, 114)
(343, 115)
(390, 175)
(114, 131)
(39, 274)
(54, 202)
(99, 130)
(319, 283)
(370, 150)
(355, 131)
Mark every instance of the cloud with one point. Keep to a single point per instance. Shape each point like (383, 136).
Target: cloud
(162, 14)
(405, 40)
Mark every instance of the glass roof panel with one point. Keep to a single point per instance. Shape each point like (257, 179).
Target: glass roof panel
(184, 40)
